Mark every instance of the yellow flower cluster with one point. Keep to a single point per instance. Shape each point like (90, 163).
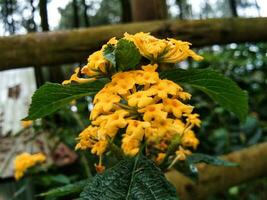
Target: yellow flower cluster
(24, 161)
(152, 48)
(138, 106)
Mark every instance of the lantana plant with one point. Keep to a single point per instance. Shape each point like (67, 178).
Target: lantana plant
(140, 114)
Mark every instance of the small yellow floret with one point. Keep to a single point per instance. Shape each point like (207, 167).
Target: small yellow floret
(182, 153)
(76, 79)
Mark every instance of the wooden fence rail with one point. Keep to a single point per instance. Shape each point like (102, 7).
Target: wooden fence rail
(61, 47)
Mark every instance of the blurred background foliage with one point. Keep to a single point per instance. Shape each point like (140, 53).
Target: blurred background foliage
(221, 131)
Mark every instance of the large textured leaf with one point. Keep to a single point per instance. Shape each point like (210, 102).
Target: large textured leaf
(131, 179)
(127, 55)
(123, 56)
(52, 96)
(199, 157)
(70, 189)
(218, 87)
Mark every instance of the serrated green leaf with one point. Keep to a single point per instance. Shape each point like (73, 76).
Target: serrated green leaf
(131, 179)
(218, 87)
(52, 96)
(70, 189)
(211, 160)
(127, 55)
(109, 54)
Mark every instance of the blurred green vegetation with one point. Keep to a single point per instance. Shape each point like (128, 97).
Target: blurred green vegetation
(221, 131)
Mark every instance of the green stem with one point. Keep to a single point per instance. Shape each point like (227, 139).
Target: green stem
(86, 165)
(116, 150)
(170, 151)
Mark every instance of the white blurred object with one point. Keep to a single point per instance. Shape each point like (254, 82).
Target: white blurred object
(16, 89)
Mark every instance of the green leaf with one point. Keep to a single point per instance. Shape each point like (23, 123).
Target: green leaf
(218, 87)
(123, 56)
(52, 96)
(109, 54)
(127, 55)
(211, 160)
(131, 179)
(71, 189)
(49, 180)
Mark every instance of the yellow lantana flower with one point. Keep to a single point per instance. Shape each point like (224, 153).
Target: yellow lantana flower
(24, 161)
(163, 88)
(161, 50)
(176, 107)
(99, 147)
(134, 135)
(140, 99)
(182, 153)
(137, 106)
(86, 138)
(97, 64)
(148, 45)
(189, 139)
(160, 158)
(153, 112)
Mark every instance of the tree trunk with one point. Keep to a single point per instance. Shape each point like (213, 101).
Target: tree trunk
(7, 11)
(32, 21)
(126, 15)
(180, 5)
(55, 74)
(74, 46)
(213, 179)
(149, 10)
(43, 15)
(233, 8)
(258, 8)
(76, 20)
(85, 14)
(12, 22)
(39, 74)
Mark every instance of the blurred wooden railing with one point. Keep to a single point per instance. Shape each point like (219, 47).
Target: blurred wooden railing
(213, 179)
(62, 47)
